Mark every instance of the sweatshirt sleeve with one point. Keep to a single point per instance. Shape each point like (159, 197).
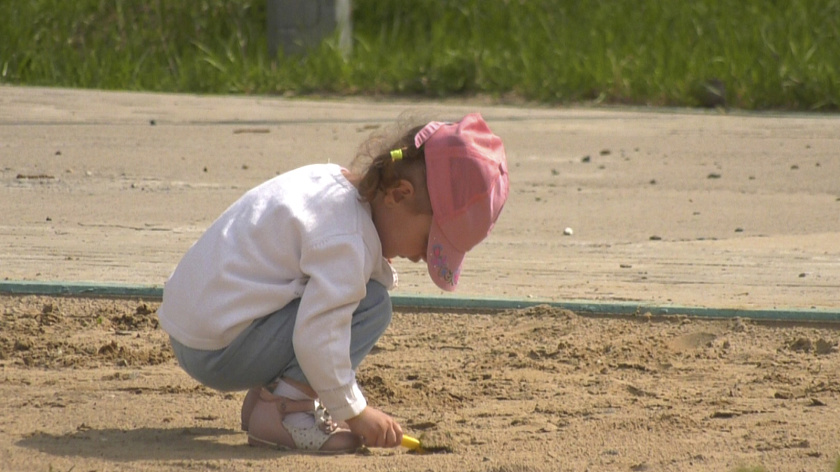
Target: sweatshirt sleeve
(338, 274)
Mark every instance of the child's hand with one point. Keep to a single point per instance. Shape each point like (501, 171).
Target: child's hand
(376, 428)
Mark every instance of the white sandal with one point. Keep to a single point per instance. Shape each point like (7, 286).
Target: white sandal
(265, 413)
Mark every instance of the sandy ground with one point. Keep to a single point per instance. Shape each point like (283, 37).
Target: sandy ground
(92, 385)
(668, 207)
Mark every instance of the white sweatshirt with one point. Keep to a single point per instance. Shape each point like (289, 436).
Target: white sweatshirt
(303, 234)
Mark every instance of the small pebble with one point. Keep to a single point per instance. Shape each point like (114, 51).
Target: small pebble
(568, 231)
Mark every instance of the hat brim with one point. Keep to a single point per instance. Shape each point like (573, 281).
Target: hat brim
(443, 260)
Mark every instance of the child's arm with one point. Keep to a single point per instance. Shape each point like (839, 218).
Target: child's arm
(337, 283)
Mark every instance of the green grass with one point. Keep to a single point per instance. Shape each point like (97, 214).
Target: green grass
(782, 54)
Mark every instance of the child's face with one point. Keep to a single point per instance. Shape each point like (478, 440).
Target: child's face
(403, 231)
(406, 235)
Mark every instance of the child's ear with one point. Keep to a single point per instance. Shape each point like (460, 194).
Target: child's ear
(404, 190)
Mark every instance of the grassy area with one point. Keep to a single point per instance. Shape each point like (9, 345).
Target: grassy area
(762, 54)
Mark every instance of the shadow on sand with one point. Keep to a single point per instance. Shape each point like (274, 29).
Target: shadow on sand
(158, 444)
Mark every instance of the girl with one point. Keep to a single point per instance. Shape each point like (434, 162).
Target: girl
(286, 292)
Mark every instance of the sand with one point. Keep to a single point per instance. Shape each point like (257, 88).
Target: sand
(92, 385)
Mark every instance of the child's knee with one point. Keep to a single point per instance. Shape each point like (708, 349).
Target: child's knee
(378, 294)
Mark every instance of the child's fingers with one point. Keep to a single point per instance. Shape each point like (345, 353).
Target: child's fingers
(376, 428)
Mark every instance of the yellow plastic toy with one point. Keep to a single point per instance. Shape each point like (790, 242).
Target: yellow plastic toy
(410, 443)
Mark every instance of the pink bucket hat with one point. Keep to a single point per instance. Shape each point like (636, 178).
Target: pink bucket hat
(467, 177)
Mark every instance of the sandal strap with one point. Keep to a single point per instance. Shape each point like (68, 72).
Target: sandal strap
(323, 419)
(314, 437)
(287, 405)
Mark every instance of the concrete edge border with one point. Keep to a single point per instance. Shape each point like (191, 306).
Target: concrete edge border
(155, 292)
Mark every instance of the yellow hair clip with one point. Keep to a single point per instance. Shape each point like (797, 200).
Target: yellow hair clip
(396, 155)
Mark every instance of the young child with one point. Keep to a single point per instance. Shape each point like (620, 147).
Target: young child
(286, 292)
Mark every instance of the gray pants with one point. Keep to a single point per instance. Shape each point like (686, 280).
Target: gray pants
(264, 352)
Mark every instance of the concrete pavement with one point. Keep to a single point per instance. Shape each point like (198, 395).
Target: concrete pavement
(697, 208)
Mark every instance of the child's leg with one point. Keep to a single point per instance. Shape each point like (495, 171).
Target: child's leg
(370, 320)
(254, 358)
(264, 350)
